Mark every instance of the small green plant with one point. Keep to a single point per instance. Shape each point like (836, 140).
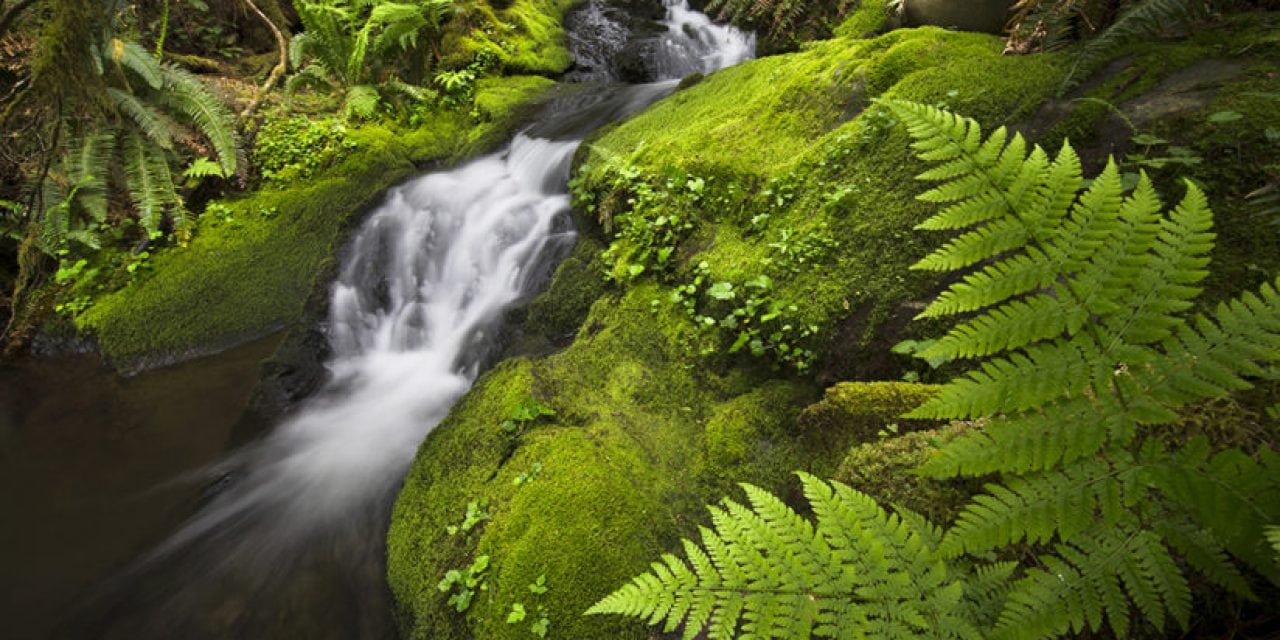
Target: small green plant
(289, 148)
(477, 512)
(524, 414)
(528, 476)
(518, 612)
(464, 583)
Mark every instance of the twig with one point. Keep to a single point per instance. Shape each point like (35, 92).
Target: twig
(276, 72)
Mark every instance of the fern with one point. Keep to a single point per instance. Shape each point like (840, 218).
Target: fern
(1080, 317)
(1144, 20)
(356, 47)
(766, 572)
(1079, 310)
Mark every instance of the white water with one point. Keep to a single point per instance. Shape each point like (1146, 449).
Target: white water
(427, 280)
(421, 292)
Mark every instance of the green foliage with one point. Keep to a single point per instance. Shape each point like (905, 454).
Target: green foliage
(288, 148)
(1142, 20)
(477, 512)
(766, 572)
(525, 414)
(785, 24)
(464, 583)
(1081, 315)
(1078, 302)
(367, 48)
(159, 107)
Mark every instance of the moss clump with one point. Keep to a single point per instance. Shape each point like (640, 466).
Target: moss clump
(790, 152)
(868, 409)
(252, 270)
(619, 480)
(556, 314)
(883, 469)
(869, 18)
(526, 37)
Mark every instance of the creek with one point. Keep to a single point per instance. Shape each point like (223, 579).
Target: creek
(285, 534)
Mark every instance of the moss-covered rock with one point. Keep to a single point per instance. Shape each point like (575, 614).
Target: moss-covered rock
(619, 474)
(656, 413)
(868, 409)
(804, 184)
(252, 270)
(883, 469)
(524, 36)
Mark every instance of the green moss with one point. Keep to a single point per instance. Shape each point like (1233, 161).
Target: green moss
(638, 426)
(868, 409)
(557, 313)
(254, 273)
(526, 38)
(883, 469)
(869, 18)
(787, 146)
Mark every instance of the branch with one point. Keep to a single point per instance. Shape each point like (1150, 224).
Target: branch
(276, 72)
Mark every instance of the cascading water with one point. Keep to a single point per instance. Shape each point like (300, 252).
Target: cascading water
(291, 544)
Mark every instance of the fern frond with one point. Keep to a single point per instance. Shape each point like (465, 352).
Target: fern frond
(185, 93)
(132, 56)
(1102, 576)
(150, 185)
(860, 572)
(157, 128)
(312, 75)
(1143, 20)
(1036, 508)
(362, 101)
(1228, 494)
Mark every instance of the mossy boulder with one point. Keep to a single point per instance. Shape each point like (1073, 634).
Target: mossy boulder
(803, 182)
(654, 418)
(657, 412)
(621, 473)
(252, 271)
(868, 409)
(884, 469)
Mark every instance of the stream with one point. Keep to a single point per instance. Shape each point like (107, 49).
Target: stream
(287, 535)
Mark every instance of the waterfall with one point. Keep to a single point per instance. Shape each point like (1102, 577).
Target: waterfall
(422, 290)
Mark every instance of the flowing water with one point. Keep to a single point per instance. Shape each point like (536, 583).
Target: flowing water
(290, 544)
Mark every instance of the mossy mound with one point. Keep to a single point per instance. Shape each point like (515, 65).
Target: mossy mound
(802, 181)
(868, 409)
(653, 417)
(883, 469)
(637, 445)
(524, 36)
(253, 270)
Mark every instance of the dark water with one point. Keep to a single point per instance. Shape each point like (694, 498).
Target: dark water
(87, 468)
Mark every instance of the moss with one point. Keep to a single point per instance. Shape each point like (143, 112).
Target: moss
(883, 469)
(868, 409)
(620, 481)
(789, 141)
(869, 18)
(556, 314)
(254, 273)
(526, 37)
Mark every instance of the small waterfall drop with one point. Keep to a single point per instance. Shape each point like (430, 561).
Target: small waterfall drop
(290, 545)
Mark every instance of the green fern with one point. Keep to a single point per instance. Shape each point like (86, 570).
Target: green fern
(1143, 20)
(359, 46)
(766, 572)
(1079, 309)
(158, 106)
(1081, 317)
